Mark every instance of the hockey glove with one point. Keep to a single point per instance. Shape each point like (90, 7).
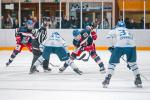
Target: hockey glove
(111, 49)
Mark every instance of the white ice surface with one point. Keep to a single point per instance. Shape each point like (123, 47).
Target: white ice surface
(17, 84)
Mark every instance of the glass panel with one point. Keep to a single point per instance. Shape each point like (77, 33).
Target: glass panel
(147, 14)
(107, 16)
(10, 15)
(92, 14)
(134, 14)
(50, 13)
(29, 11)
(70, 15)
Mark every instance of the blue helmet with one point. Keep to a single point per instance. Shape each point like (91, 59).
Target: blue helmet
(121, 24)
(55, 33)
(29, 22)
(76, 33)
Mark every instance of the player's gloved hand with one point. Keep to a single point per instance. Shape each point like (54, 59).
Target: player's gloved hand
(18, 39)
(111, 49)
(82, 49)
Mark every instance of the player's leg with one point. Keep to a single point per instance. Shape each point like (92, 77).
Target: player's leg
(71, 57)
(97, 59)
(63, 56)
(15, 52)
(29, 46)
(36, 55)
(46, 65)
(45, 55)
(131, 59)
(114, 59)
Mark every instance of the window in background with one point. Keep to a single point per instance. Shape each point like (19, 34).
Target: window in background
(134, 14)
(147, 17)
(71, 18)
(107, 15)
(50, 12)
(30, 11)
(92, 14)
(9, 18)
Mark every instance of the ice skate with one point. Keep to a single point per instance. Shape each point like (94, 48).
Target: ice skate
(33, 69)
(138, 82)
(77, 71)
(47, 70)
(61, 69)
(102, 68)
(7, 64)
(105, 83)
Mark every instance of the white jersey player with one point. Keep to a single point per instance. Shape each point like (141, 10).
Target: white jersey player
(122, 43)
(55, 44)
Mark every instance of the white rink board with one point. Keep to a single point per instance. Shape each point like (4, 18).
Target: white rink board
(16, 84)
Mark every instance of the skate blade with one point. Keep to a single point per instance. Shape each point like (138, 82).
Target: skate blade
(33, 72)
(46, 71)
(61, 71)
(105, 86)
(103, 72)
(139, 86)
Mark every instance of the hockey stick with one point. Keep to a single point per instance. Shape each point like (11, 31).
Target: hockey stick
(122, 57)
(86, 58)
(53, 65)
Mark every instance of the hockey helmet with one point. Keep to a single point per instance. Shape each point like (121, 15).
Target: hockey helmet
(121, 24)
(76, 33)
(30, 24)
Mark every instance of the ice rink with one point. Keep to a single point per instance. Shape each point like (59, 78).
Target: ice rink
(17, 84)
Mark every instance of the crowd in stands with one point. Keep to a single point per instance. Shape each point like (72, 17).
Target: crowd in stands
(68, 22)
(132, 24)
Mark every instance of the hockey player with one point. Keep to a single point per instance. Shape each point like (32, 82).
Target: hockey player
(83, 41)
(39, 38)
(122, 43)
(23, 39)
(55, 44)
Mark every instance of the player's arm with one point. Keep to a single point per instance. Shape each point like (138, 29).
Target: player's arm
(110, 38)
(94, 35)
(28, 35)
(18, 39)
(76, 43)
(90, 46)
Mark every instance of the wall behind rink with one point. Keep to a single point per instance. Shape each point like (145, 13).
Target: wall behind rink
(142, 38)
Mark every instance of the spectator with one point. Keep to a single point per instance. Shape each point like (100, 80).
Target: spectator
(16, 24)
(52, 22)
(97, 22)
(36, 23)
(8, 22)
(73, 22)
(127, 22)
(65, 24)
(142, 23)
(105, 24)
(86, 22)
(24, 20)
(133, 24)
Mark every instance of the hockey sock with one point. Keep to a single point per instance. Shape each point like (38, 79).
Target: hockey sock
(111, 69)
(134, 68)
(13, 55)
(65, 65)
(39, 61)
(71, 64)
(98, 60)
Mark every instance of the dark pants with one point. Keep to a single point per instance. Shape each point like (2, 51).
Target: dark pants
(36, 55)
